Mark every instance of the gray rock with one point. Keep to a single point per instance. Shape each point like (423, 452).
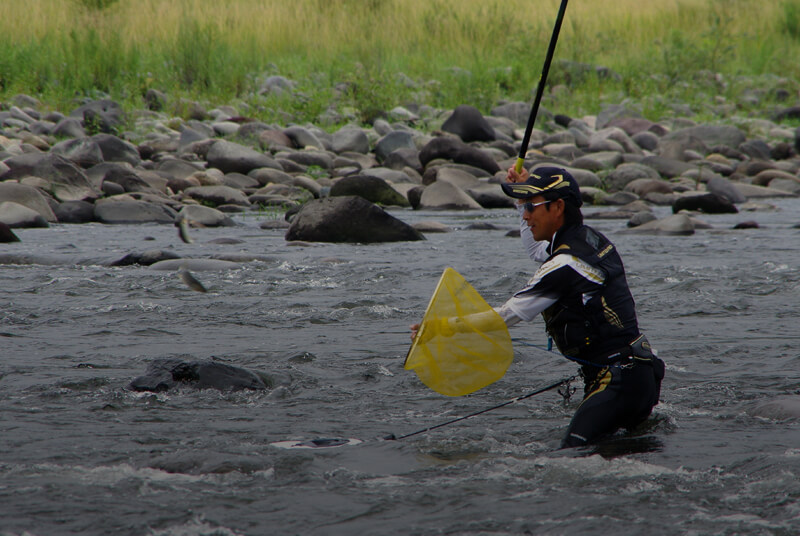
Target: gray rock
(631, 125)
(445, 196)
(18, 216)
(113, 211)
(312, 158)
(646, 140)
(75, 212)
(725, 188)
(645, 186)
(27, 196)
(583, 177)
(155, 100)
(225, 128)
(751, 191)
(389, 175)
(598, 161)
(349, 139)
(711, 135)
(302, 137)
(468, 123)
(69, 127)
(205, 216)
(309, 184)
(666, 167)
(83, 152)
(490, 196)
(265, 176)
(614, 112)
(100, 116)
(402, 158)
(68, 182)
(114, 149)
(625, 173)
(232, 157)
(786, 185)
(566, 151)
(640, 218)
(393, 141)
(457, 177)
(348, 219)
(450, 148)
(111, 188)
(128, 180)
(616, 135)
(189, 136)
(217, 195)
(372, 189)
(472, 170)
(757, 149)
(239, 181)
(765, 177)
(664, 200)
(677, 224)
(277, 85)
(518, 112)
(681, 146)
(619, 198)
(431, 227)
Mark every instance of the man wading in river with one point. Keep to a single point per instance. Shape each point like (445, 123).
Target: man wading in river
(583, 296)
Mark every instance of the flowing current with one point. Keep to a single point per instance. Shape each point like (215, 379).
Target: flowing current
(327, 324)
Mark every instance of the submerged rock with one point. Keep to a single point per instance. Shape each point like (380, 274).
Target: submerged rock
(165, 374)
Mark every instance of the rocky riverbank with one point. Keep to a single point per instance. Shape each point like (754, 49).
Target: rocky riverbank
(98, 164)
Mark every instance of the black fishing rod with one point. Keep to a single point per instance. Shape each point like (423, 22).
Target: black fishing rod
(540, 90)
(504, 404)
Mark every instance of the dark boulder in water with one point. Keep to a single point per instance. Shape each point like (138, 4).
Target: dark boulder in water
(146, 258)
(6, 234)
(348, 219)
(709, 203)
(164, 374)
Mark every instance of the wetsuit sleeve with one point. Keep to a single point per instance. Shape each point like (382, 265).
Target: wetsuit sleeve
(536, 249)
(557, 277)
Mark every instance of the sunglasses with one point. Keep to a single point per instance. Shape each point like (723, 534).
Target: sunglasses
(530, 206)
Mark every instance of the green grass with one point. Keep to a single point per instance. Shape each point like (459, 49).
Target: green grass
(364, 57)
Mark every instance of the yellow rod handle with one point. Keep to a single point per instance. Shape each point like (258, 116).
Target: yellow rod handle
(519, 164)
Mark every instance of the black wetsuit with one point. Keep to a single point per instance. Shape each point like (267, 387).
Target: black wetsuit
(591, 316)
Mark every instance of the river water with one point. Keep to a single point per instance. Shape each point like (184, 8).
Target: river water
(328, 325)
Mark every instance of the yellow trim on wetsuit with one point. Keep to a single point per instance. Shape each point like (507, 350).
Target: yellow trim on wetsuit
(601, 383)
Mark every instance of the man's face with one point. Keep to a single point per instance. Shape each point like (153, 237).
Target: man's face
(544, 218)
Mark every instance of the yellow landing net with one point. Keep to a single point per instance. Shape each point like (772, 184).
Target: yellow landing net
(463, 345)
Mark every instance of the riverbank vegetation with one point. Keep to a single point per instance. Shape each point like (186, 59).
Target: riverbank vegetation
(711, 58)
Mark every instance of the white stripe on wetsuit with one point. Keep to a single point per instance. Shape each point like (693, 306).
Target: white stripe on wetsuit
(530, 301)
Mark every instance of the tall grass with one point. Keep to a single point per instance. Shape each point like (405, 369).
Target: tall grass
(348, 53)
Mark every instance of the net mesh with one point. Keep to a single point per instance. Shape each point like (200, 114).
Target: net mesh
(463, 345)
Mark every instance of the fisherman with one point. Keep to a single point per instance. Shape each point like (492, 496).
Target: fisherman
(583, 295)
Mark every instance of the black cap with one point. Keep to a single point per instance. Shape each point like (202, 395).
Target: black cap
(551, 182)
